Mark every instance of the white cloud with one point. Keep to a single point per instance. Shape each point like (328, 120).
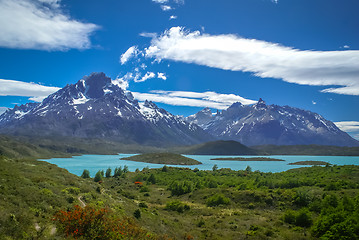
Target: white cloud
(121, 82)
(160, 1)
(131, 52)
(192, 99)
(348, 126)
(161, 76)
(37, 92)
(42, 25)
(166, 7)
(346, 46)
(264, 59)
(3, 109)
(314, 102)
(147, 76)
(172, 17)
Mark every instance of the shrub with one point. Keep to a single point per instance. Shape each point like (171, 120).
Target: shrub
(89, 223)
(217, 199)
(179, 188)
(165, 168)
(177, 206)
(137, 213)
(301, 218)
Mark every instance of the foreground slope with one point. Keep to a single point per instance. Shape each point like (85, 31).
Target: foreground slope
(96, 107)
(261, 124)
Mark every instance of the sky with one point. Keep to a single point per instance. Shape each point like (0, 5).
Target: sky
(185, 55)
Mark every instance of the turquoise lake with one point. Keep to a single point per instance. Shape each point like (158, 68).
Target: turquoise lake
(94, 163)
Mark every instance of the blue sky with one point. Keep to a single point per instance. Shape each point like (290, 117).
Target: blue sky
(188, 54)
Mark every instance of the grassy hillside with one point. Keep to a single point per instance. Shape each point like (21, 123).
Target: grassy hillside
(217, 148)
(163, 158)
(38, 201)
(310, 150)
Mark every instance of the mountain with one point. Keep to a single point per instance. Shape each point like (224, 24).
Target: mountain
(96, 107)
(262, 124)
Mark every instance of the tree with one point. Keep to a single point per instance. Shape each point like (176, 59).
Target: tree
(125, 169)
(215, 167)
(118, 172)
(108, 172)
(248, 169)
(152, 179)
(165, 168)
(85, 174)
(98, 176)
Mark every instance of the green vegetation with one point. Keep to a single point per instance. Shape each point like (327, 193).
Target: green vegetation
(163, 158)
(177, 203)
(260, 159)
(309, 150)
(216, 148)
(314, 163)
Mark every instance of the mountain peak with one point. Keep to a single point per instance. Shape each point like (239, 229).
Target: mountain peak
(261, 104)
(95, 84)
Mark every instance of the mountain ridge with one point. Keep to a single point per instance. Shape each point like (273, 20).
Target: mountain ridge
(97, 107)
(262, 124)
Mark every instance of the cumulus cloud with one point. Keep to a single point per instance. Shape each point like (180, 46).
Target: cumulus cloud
(36, 92)
(172, 17)
(147, 76)
(338, 69)
(121, 82)
(192, 99)
(166, 7)
(161, 76)
(160, 1)
(130, 53)
(348, 126)
(41, 25)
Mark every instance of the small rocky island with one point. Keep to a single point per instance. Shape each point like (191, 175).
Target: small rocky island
(260, 159)
(163, 158)
(309, 163)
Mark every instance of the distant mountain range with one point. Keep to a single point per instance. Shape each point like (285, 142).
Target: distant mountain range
(262, 124)
(97, 107)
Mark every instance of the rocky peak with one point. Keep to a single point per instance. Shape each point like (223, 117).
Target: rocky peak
(261, 104)
(95, 84)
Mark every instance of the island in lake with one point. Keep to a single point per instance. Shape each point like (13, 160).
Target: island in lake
(163, 158)
(261, 159)
(309, 163)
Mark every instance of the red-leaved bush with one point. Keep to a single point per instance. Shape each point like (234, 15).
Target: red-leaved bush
(90, 223)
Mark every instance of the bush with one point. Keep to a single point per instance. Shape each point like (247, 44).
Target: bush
(177, 206)
(137, 213)
(179, 188)
(217, 199)
(301, 218)
(89, 223)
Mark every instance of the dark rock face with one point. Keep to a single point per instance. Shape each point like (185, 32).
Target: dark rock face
(261, 124)
(98, 108)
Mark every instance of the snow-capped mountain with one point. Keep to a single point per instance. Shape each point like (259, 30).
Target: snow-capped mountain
(260, 124)
(97, 107)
